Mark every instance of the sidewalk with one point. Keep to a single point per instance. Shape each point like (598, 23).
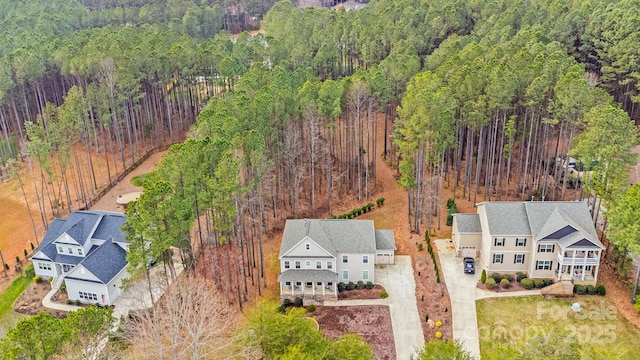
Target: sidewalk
(46, 302)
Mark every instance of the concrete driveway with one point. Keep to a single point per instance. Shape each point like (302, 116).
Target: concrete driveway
(399, 282)
(462, 292)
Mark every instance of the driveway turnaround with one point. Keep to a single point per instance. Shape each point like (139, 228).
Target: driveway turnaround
(462, 292)
(399, 282)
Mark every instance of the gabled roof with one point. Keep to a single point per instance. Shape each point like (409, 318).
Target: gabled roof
(506, 218)
(79, 225)
(106, 261)
(385, 240)
(468, 223)
(109, 227)
(334, 235)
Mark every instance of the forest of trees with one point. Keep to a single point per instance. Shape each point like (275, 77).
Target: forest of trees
(480, 96)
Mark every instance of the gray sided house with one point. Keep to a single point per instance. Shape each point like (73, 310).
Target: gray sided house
(551, 239)
(88, 252)
(315, 255)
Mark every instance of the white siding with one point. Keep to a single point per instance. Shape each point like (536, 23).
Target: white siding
(300, 250)
(42, 272)
(74, 287)
(384, 257)
(355, 267)
(114, 286)
(82, 273)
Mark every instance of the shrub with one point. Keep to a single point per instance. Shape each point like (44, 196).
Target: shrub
(297, 302)
(69, 301)
(538, 283)
(591, 290)
(419, 246)
(507, 277)
(453, 209)
(601, 290)
(483, 276)
(379, 201)
(311, 308)
(351, 285)
(18, 260)
(341, 287)
(438, 334)
(369, 285)
(32, 247)
(491, 284)
(449, 220)
(580, 289)
(496, 277)
(49, 280)
(547, 282)
(281, 309)
(37, 279)
(438, 323)
(520, 275)
(360, 284)
(527, 283)
(505, 283)
(25, 253)
(384, 294)
(286, 302)
(77, 302)
(450, 202)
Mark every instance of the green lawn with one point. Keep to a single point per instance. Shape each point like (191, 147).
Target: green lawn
(139, 180)
(8, 318)
(533, 324)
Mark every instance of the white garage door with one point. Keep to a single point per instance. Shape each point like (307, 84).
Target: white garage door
(383, 259)
(468, 252)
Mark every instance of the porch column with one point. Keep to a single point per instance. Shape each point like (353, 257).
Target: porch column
(323, 288)
(335, 289)
(573, 263)
(293, 288)
(584, 266)
(313, 288)
(595, 275)
(280, 288)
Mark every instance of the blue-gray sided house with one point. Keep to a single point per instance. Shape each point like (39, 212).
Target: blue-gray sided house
(315, 255)
(88, 252)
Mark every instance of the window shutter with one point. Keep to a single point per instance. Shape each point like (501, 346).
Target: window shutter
(514, 258)
(525, 242)
(501, 259)
(553, 248)
(523, 255)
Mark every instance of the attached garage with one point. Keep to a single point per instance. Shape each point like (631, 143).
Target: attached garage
(466, 234)
(385, 247)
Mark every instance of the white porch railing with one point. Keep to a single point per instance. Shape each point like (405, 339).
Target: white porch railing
(577, 260)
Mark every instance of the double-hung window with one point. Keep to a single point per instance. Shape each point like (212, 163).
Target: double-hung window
(544, 264)
(345, 259)
(498, 258)
(546, 247)
(286, 264)
(498, 242)
(521, 242)
(518, 259)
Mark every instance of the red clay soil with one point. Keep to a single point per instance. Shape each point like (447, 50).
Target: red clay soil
(366, 321)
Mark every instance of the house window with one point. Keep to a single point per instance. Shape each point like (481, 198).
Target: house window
(308, 264)
(60, 250)
(88, 296)
(518, 259)
(44, 266)
(288, 283)
(345, 274)
(318, 264)
(498, 242)
(297, 264)
(365, 274)
(80, 251)
(299, 283)
(307, 246)
(330, 283)
(319, 283)
(70, 250)
(497, 258)
(543, 264)
(329, 264)
(365, 259)
(546, 247)
(286, 264)
(309, 284)
(345, 259)
(521, 242)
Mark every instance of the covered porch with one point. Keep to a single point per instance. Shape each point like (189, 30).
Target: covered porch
(578, 265)
(308, 282)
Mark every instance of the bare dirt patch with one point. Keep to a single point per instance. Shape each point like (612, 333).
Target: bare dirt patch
(372, 322)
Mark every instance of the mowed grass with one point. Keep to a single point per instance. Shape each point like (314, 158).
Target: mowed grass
(139, 180)
(523, 322)
(8, 318)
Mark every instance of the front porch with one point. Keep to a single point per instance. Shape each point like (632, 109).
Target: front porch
(579, 266)
(308, 283)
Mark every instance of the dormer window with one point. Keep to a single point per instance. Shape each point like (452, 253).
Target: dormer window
(70, 250)
(307, 246)
(80, 251)
(60, 250)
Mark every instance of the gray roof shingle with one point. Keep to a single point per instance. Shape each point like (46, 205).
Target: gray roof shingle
(106, 261)
(385, 240)
(507, 218)
(468, 223)
(334, 235)
(307, 275)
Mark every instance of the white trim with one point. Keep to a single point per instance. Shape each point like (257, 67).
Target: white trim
(306, 238)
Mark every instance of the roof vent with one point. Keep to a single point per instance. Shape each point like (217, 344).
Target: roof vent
(307, 225)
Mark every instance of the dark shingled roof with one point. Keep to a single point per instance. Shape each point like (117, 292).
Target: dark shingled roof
(106, 261)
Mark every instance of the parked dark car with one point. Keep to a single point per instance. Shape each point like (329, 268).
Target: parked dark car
(469, 268)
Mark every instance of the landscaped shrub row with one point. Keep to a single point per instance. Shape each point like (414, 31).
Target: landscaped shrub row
(451, 209)
(351, 285)
(590, 290)
(286, 303)
(433, 255)
(358, 211)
